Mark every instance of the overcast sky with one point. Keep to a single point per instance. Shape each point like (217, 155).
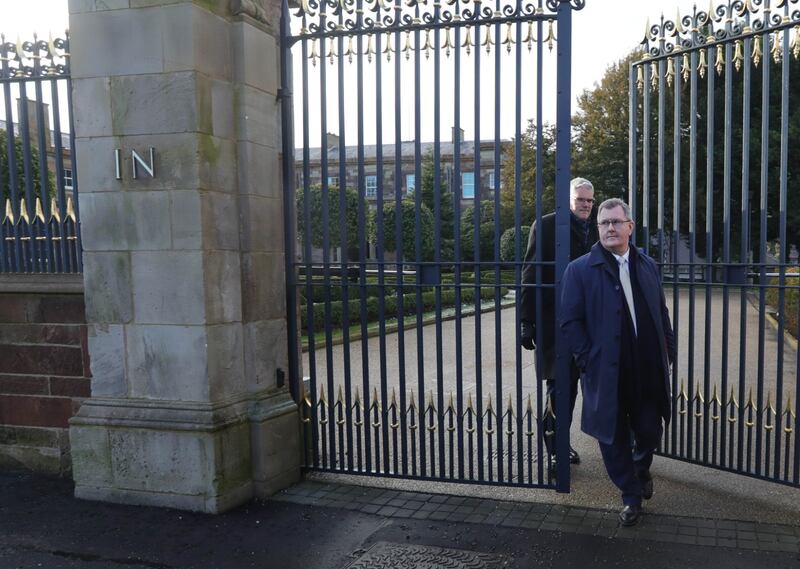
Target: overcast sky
(603, 32)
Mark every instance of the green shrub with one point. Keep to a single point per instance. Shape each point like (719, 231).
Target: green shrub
(507, 243)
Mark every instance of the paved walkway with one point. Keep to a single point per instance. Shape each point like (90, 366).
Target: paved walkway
(317, 525)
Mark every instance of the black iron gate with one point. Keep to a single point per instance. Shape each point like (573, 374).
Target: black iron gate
(715, 124)
(410, 239)
(40, 231)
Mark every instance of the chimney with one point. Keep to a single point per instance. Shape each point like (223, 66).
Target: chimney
(332, 140)
(456, 135)
(33, 124)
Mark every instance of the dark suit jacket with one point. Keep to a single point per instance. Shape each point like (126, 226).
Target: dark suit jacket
(591, 307)
(579, 245)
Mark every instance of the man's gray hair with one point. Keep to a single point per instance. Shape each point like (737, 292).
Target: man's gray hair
(579, 183)
(611, 203)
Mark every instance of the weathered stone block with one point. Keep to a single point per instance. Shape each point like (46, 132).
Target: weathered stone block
(222, 283)
(225, 361)
(168, 287)
(262, 224)
(220, 221)
(160, 103)
(107, 349)
(264, 353)
(255, 56)
(160, 461)
(91, 455)
(216, 158)
(168, 362)
(259, 170)
(197, 40)
(258, 114)
(92, 116)
(222, 107)
(125, 221)
(14, 384)
(107, 285)
(79, 6)
(116, 42)
(276, 444)
(40, 334)
(216, 6)
(263, 286)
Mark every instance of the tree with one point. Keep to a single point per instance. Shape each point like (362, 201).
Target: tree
(528, 176)
(428, 197)
(20, 169)
(600, 145)
(486, 224)
(409, 229)
(316, 229)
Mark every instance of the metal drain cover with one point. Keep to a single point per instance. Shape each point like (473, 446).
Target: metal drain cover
(385, 555)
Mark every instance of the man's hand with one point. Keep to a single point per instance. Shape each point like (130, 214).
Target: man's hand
(527, 332)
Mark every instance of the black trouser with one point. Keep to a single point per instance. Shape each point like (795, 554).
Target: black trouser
(549, 424)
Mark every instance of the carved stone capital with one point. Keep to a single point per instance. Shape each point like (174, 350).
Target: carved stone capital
(252, 8)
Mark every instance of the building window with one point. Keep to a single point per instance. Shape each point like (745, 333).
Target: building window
(67, 179)
(411, 184)
(491, 180)
(333, 181)
(372, 186)
(467, 185)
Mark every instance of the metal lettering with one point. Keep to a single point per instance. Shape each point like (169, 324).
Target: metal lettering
(118, 163)
(135, 158)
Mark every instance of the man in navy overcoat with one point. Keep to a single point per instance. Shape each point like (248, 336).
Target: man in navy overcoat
(616, 322)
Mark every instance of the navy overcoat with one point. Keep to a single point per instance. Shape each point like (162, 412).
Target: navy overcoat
(591, 320)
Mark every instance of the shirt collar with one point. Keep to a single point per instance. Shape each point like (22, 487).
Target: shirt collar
(621, 258)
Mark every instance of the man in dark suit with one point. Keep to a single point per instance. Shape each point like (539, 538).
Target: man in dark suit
(583, 234)
(615, 319)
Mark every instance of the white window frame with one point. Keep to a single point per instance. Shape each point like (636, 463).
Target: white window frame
(371, 185)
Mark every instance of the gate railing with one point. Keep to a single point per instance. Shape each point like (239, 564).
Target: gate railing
(712, 130)
(380, 403)
(40, 229)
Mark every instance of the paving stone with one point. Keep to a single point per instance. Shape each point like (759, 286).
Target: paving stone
(403, 513)
(725, 524)
(707, 532)
(706, 541)
(414, 504)
(687, 530)
(439, 516)
(746, 535)
(476, 519)
(789, 547)
(726, 542)
(438, 499)
(387, 511)
(370, 509)
(428, 507)
(767, 537)
(689, 539)
(399, 502)
(420, 515)
(747, 544)
(550, 526)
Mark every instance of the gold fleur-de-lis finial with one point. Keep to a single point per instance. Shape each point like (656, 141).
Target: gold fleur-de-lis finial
(702, 64)
(738, 56)
(551, 36)
(488, 42)
(777, 50)
(640, 77)
(9, 212)
(686, 67)
(757, 50)
(468, 40)
(720, 59)
(509, 41)
(670, 73)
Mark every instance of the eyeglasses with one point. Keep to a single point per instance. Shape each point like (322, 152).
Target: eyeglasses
(616, 223)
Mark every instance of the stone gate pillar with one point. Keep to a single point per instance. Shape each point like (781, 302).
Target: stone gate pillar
(183, 253)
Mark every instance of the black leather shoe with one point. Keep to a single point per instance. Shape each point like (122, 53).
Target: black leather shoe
(574, 457)
(647, 484)
(630, 515)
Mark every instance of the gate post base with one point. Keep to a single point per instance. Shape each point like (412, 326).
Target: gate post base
(201, 457)
(277, 446)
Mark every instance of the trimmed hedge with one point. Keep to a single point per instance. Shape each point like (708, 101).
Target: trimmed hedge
(409, 304)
